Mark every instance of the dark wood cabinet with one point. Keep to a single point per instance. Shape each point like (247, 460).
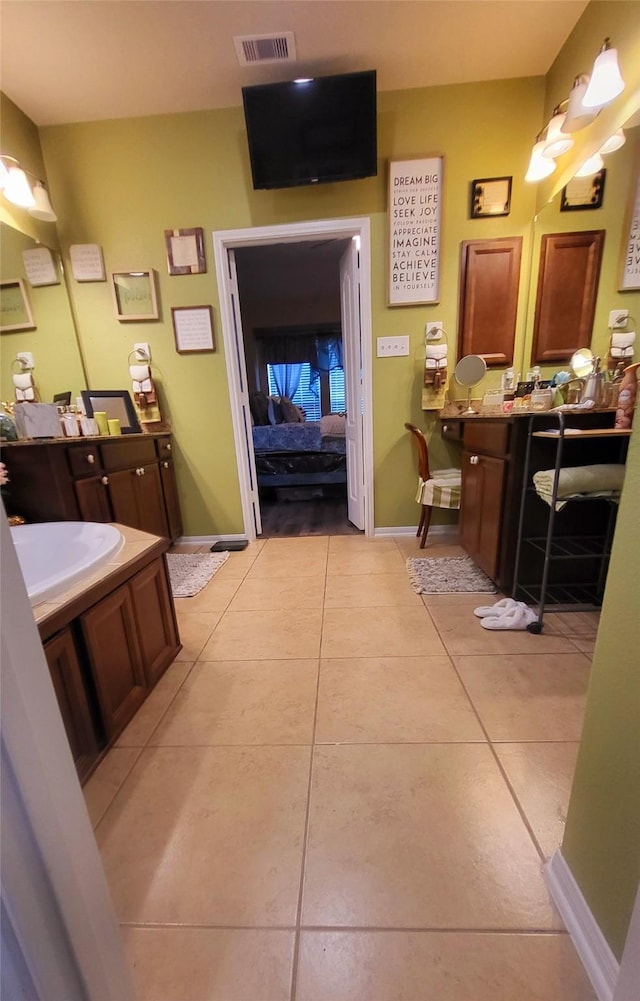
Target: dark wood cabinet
(489, 283)
(71, 692)
(155, 622)
(483, 481)
(130, 479)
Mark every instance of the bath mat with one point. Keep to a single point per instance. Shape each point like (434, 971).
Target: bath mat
(448, 575)
(189, 572)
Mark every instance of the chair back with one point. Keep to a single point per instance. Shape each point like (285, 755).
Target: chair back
(423, 452)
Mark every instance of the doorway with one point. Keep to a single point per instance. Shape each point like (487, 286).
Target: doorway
(345, 245)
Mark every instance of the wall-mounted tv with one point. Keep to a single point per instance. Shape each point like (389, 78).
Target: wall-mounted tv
(312, 131)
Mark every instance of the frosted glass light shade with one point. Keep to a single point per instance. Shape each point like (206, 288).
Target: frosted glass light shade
(4, 175)
(539, 166)
(42, 208)
(590, 166)
(606, 81)
(577, 116)
(556, 142)
(17, 189)
(613, 143)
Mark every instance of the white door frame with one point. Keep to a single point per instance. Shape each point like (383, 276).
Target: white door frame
(225, 240)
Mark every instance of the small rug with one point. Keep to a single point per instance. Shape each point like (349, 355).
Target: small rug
(448, 575)
(189, 572)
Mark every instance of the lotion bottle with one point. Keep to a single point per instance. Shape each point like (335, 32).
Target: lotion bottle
(627, 397)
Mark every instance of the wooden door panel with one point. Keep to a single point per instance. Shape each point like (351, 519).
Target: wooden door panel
(154, 617)
(489, 283)
(68, 683)
(93, 499)
(171, 499)
(150, 502)
(471, 504)
(122, 494)
(490, 535)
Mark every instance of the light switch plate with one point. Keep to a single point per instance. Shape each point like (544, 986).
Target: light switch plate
(390, 346)
(433, 330)
(618, 318)
(25, 358)
(142, 347)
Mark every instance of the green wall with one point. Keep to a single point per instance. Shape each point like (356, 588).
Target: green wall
(122, 183)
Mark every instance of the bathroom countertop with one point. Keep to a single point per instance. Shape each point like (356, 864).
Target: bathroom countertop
(136, 546)
(87, 439)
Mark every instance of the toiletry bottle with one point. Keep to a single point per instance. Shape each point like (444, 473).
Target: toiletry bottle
(627, 396)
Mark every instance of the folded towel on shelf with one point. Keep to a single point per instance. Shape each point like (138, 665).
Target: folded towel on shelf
(603, 480)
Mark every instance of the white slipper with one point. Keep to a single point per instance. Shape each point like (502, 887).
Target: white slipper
(497, 609)
(517, 617)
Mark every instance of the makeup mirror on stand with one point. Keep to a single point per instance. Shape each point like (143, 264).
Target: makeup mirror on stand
(470, 371)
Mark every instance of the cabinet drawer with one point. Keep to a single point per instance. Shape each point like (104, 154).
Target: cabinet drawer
(163, 447)
(123, 454)
(490, 438)
(84, 460)
(451, 430)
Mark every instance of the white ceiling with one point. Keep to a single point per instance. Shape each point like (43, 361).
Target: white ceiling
(82, 60)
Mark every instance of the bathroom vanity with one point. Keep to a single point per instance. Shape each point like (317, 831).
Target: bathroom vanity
(129, 479)
(107, 642)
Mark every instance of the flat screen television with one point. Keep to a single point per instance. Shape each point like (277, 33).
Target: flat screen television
(312, 131)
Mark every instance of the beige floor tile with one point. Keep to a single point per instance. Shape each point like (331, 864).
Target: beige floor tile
(288, 565)
(541, 776)
(360, 544)
(586, 646)
(237, 566)
(462, 634)
(309, 545)
(243, 702)
(437, 966)
(419, 836)
(208, 836)
(353, 590)
(466, 601)
(393, 699)
(400, 631)
(150, 713)
(186, 547)
(528, 698)
(266, 635)
(366, 562)
(278, 592)
(210, 964)
(195, 629)
(434, 549)
(580, 625)
(215, 597)
(103, 785)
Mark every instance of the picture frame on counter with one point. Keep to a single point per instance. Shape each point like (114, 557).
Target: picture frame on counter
(583, 193)
(15, 311)
(116, 404)
(134, 295)
(185, 251)
(87, 262)
(490, 197)
(414, 212)
(193, 329)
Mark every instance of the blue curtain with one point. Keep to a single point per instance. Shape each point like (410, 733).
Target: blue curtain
(328, 357)
(287, 379)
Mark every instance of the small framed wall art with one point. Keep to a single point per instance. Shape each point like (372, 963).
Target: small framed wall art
(40, 267)
(135, 295)
(185, 251)
(490, 196)
(193, 329)
(87, 263)
(15, 311)
(414, 210)
(583, 192)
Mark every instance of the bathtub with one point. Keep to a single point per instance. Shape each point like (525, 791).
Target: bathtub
(56, 555)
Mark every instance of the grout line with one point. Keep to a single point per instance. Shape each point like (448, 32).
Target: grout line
(355, 929)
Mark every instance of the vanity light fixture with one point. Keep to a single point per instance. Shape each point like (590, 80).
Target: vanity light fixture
(606, 81)
(590, 166)
(613, 143)
(577, 116)
(17, 189)
(540, 166)
(557, 142)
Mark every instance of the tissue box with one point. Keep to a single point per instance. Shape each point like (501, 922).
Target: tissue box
(37, 420)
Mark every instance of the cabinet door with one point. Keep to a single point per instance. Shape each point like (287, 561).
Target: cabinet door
(157, 631)
(109, 630)
(93, 499)
(171, 499)
(150, 502)
(68, 683)
(122, 494)
(483, 479)
(489, 282)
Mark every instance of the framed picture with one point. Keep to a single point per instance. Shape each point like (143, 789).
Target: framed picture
(135, 295)
(490, 196)
(193, 328)
(40, 267)
(185, 251)
(87, 262)
(116, 403)
(415, 213)
(15, 312)
(583, 193)
(630, 270)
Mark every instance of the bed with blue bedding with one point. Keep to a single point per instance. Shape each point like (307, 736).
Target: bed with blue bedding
(307, 453)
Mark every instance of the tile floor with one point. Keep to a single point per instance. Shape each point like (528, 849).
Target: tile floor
(343, 791)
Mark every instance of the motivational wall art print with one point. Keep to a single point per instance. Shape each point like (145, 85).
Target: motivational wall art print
(631, 262)
(415, 207)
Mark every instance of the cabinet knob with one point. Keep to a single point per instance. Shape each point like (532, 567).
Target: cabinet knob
(166, 465)
(105, 480)
(91, 458)
(473, 460)
(168, 447)
(445, 427)
(138, 471)
(142, 471)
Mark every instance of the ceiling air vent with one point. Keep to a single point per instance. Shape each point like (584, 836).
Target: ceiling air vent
(252, 49)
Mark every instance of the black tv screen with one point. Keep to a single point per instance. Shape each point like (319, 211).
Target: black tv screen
(312, 131)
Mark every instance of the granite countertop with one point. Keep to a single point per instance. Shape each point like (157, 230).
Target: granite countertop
(86, 439)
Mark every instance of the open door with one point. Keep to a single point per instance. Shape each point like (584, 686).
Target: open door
(248, 474)
(352, 350)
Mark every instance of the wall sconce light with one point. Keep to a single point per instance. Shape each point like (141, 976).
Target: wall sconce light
(613, 143)
(606, 81)
(590, 166)
(557, 142)
(17, 190)
(577, 116)
(540, 166)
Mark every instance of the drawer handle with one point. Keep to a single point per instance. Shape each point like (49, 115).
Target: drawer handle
(168, 448)
(91, 458)
(166, 465)
(105, 480)
(473, 460)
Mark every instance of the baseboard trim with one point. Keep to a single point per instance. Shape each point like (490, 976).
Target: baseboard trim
(596, 956)
(403, 530)
(202, 540)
